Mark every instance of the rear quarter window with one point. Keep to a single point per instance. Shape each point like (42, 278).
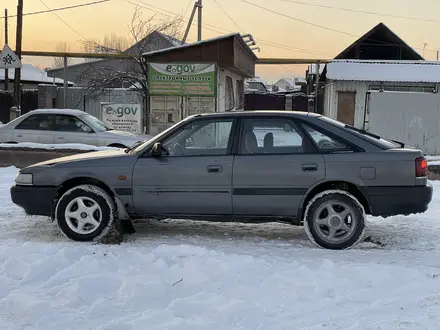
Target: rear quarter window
(381, 143)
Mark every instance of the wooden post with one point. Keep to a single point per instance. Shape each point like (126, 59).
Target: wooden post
(6, 42)
(17, 76)
(316, 86)
(65, 82)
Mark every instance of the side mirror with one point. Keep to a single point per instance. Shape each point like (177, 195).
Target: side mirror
(157, 150)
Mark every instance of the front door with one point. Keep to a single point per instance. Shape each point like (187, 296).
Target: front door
(195, 178)
(71, 129)
(274, 168)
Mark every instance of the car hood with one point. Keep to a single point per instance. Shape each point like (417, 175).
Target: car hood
(125, 135)
(105, 154)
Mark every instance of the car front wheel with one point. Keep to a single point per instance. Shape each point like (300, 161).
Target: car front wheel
(85, 213)
(335, 219)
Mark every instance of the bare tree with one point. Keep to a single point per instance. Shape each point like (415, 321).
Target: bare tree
(146, 34)
(62, 47)
(111, 43)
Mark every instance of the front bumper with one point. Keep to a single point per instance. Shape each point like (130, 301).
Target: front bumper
(33, 199)
(389, 201)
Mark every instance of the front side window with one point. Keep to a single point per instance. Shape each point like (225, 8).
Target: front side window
(36, 122)
(66, 123)
(270, 136)
(203, 138)
(95, 123)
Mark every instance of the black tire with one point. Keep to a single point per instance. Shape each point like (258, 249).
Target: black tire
(341, 200)
(118, 145)
(93, 194)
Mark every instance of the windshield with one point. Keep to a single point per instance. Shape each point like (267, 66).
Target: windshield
(95, 123)
(375, 139)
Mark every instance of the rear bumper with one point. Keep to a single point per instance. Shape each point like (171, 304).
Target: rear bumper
(34, 200)
(389, 201)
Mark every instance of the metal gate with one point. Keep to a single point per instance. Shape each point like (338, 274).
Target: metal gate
(165, 111)
(409, 117)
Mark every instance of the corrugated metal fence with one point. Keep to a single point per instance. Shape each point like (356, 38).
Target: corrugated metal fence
(83, 99)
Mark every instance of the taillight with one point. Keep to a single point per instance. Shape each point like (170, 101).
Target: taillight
(421, 167)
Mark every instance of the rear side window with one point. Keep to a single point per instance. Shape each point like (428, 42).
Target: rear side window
(324, 142)
(36, 122)
(270, 136)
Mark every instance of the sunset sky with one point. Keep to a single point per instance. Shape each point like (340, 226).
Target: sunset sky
(287, 37)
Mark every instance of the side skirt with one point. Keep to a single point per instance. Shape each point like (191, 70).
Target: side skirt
(222, 218)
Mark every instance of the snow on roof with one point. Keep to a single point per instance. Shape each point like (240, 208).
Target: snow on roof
(57, 111)
(226, 36)
(395, 71)
(32, 73)
(172, 40)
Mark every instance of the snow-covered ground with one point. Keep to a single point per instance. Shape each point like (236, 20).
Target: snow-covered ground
(195, 275)
(60, 146)
(433, 160)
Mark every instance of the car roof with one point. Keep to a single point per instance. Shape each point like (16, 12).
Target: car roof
(253, 113)
(57, 111)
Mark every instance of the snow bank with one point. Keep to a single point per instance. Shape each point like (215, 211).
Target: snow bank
(61, 146)
(433, 160)
(195, 275)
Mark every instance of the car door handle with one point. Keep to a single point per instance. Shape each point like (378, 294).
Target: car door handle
(19, 135)
(215, 169)
(60, 138)
(309, 167)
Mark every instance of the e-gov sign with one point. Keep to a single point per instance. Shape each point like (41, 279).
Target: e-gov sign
(122, 116)
(182, 79)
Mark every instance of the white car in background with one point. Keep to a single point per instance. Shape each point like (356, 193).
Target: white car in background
(60, 126)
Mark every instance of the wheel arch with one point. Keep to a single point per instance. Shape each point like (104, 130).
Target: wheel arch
(77, 181)
(332, 185)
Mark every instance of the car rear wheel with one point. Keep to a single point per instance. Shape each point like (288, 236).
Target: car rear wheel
(85, 213)
(335, 219)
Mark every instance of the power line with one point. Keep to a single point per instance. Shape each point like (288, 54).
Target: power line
(67, 24)
(235, 23)
(362, 11)
(218, 29)
(300, 20)
(189, 5)
(59, 9)
(316, 25)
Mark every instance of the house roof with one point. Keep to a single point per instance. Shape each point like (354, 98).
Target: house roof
(202, 42)
(387, 71)
(380, 28)
(31, 73)
(173, 42)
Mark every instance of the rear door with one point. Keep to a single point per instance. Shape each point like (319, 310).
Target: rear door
(71, 129)
(275, 166)
(36, 129)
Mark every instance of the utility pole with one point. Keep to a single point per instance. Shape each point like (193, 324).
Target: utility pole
(188, 27)
(6, 42)
(17, 76)
(199, 32)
